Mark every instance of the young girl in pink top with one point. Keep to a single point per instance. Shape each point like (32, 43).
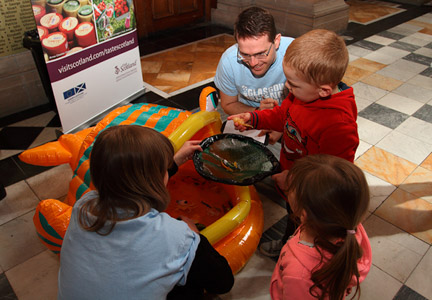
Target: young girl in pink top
(330, 252)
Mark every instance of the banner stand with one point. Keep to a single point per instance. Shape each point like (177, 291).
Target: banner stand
(91, 52)
(99, 117)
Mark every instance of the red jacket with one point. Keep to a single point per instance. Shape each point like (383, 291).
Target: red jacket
(322, 126)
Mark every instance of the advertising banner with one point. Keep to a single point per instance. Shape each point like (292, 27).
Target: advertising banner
(91, 53)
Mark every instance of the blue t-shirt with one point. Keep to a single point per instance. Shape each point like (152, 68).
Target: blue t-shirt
(234, 78)
(142, 258)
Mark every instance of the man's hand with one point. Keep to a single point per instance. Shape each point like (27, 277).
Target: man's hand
(268, 103)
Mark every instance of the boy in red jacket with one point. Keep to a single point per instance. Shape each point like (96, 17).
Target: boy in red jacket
(319, 114)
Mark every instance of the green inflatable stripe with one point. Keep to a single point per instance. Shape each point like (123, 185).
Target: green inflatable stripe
(48, 241)
(47, 227)
(145, 115)
(82, 188)
(117, 120)
(87, 177)
(164, 121)
(160, 126)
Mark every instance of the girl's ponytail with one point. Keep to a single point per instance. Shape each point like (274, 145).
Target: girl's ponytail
(334, 196)
(333, 277)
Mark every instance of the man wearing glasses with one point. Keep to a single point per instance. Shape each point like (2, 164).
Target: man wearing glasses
(249, 75)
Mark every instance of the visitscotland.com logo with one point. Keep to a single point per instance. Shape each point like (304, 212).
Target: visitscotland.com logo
(79, 89)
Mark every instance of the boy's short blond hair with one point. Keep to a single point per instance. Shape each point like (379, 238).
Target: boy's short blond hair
(319, 55)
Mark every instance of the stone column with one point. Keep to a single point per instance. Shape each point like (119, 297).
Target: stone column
(292, 17)
(227, 11)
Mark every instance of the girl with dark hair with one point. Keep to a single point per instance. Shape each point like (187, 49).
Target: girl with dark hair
(119, 243)
(330, 252)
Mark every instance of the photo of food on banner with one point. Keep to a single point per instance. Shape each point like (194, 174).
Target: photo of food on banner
(113, 17)
(68, 26)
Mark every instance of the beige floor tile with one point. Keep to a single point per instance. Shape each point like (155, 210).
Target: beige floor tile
(361, 12)
(19, 200)
(427, 163)
(356, 73)
(196, 77)
(362, 103)
(40, 120)
(400, 103)
(362, 148)
(420, 23)
(150, 66)
(368, 92)
(420, 278)
(253, 281)
(8, 153)
(175, 77)
(426, 31)
(382, 82)
(419, 183)
(418, 129)
(421, 81)
(36, 278)
(367, 64)
(18, 241)
(385, 165)
(371, 132)
(372, 287)
(273, 212)
(48, 134)
(349, 81)
(409, 213)
(390, 244)
(379, 191)
(186, 65)
(53, 183)
(405, 147)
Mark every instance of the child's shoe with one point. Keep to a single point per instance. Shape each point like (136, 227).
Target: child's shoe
(271, 248)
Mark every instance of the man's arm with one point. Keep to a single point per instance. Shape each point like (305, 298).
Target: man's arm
(232, 106)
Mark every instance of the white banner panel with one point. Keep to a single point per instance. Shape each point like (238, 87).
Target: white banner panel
(91, 53)
(89, 84)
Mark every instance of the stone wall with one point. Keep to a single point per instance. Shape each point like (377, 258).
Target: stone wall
(292, 17)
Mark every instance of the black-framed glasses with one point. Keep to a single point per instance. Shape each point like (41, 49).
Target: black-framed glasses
(248, 57)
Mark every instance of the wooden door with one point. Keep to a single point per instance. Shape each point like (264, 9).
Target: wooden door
(156, 15)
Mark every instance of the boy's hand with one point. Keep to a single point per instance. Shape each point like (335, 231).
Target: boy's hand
(268, 103)
(186, 152)
(281, 180)
(241, 121)
(273, 136)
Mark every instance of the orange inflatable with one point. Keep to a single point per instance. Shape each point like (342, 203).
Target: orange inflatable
(231, 217)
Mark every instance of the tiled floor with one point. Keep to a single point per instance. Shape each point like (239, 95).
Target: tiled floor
(169, 72)
(391, 73)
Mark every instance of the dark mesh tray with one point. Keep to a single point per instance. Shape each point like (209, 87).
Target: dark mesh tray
(234, 159)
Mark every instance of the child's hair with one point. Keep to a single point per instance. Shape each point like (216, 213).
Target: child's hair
(254, 22)
(320, 56)
(335, 196)
(128, 164)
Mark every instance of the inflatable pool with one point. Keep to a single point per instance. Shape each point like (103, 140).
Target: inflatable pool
(231, 217)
